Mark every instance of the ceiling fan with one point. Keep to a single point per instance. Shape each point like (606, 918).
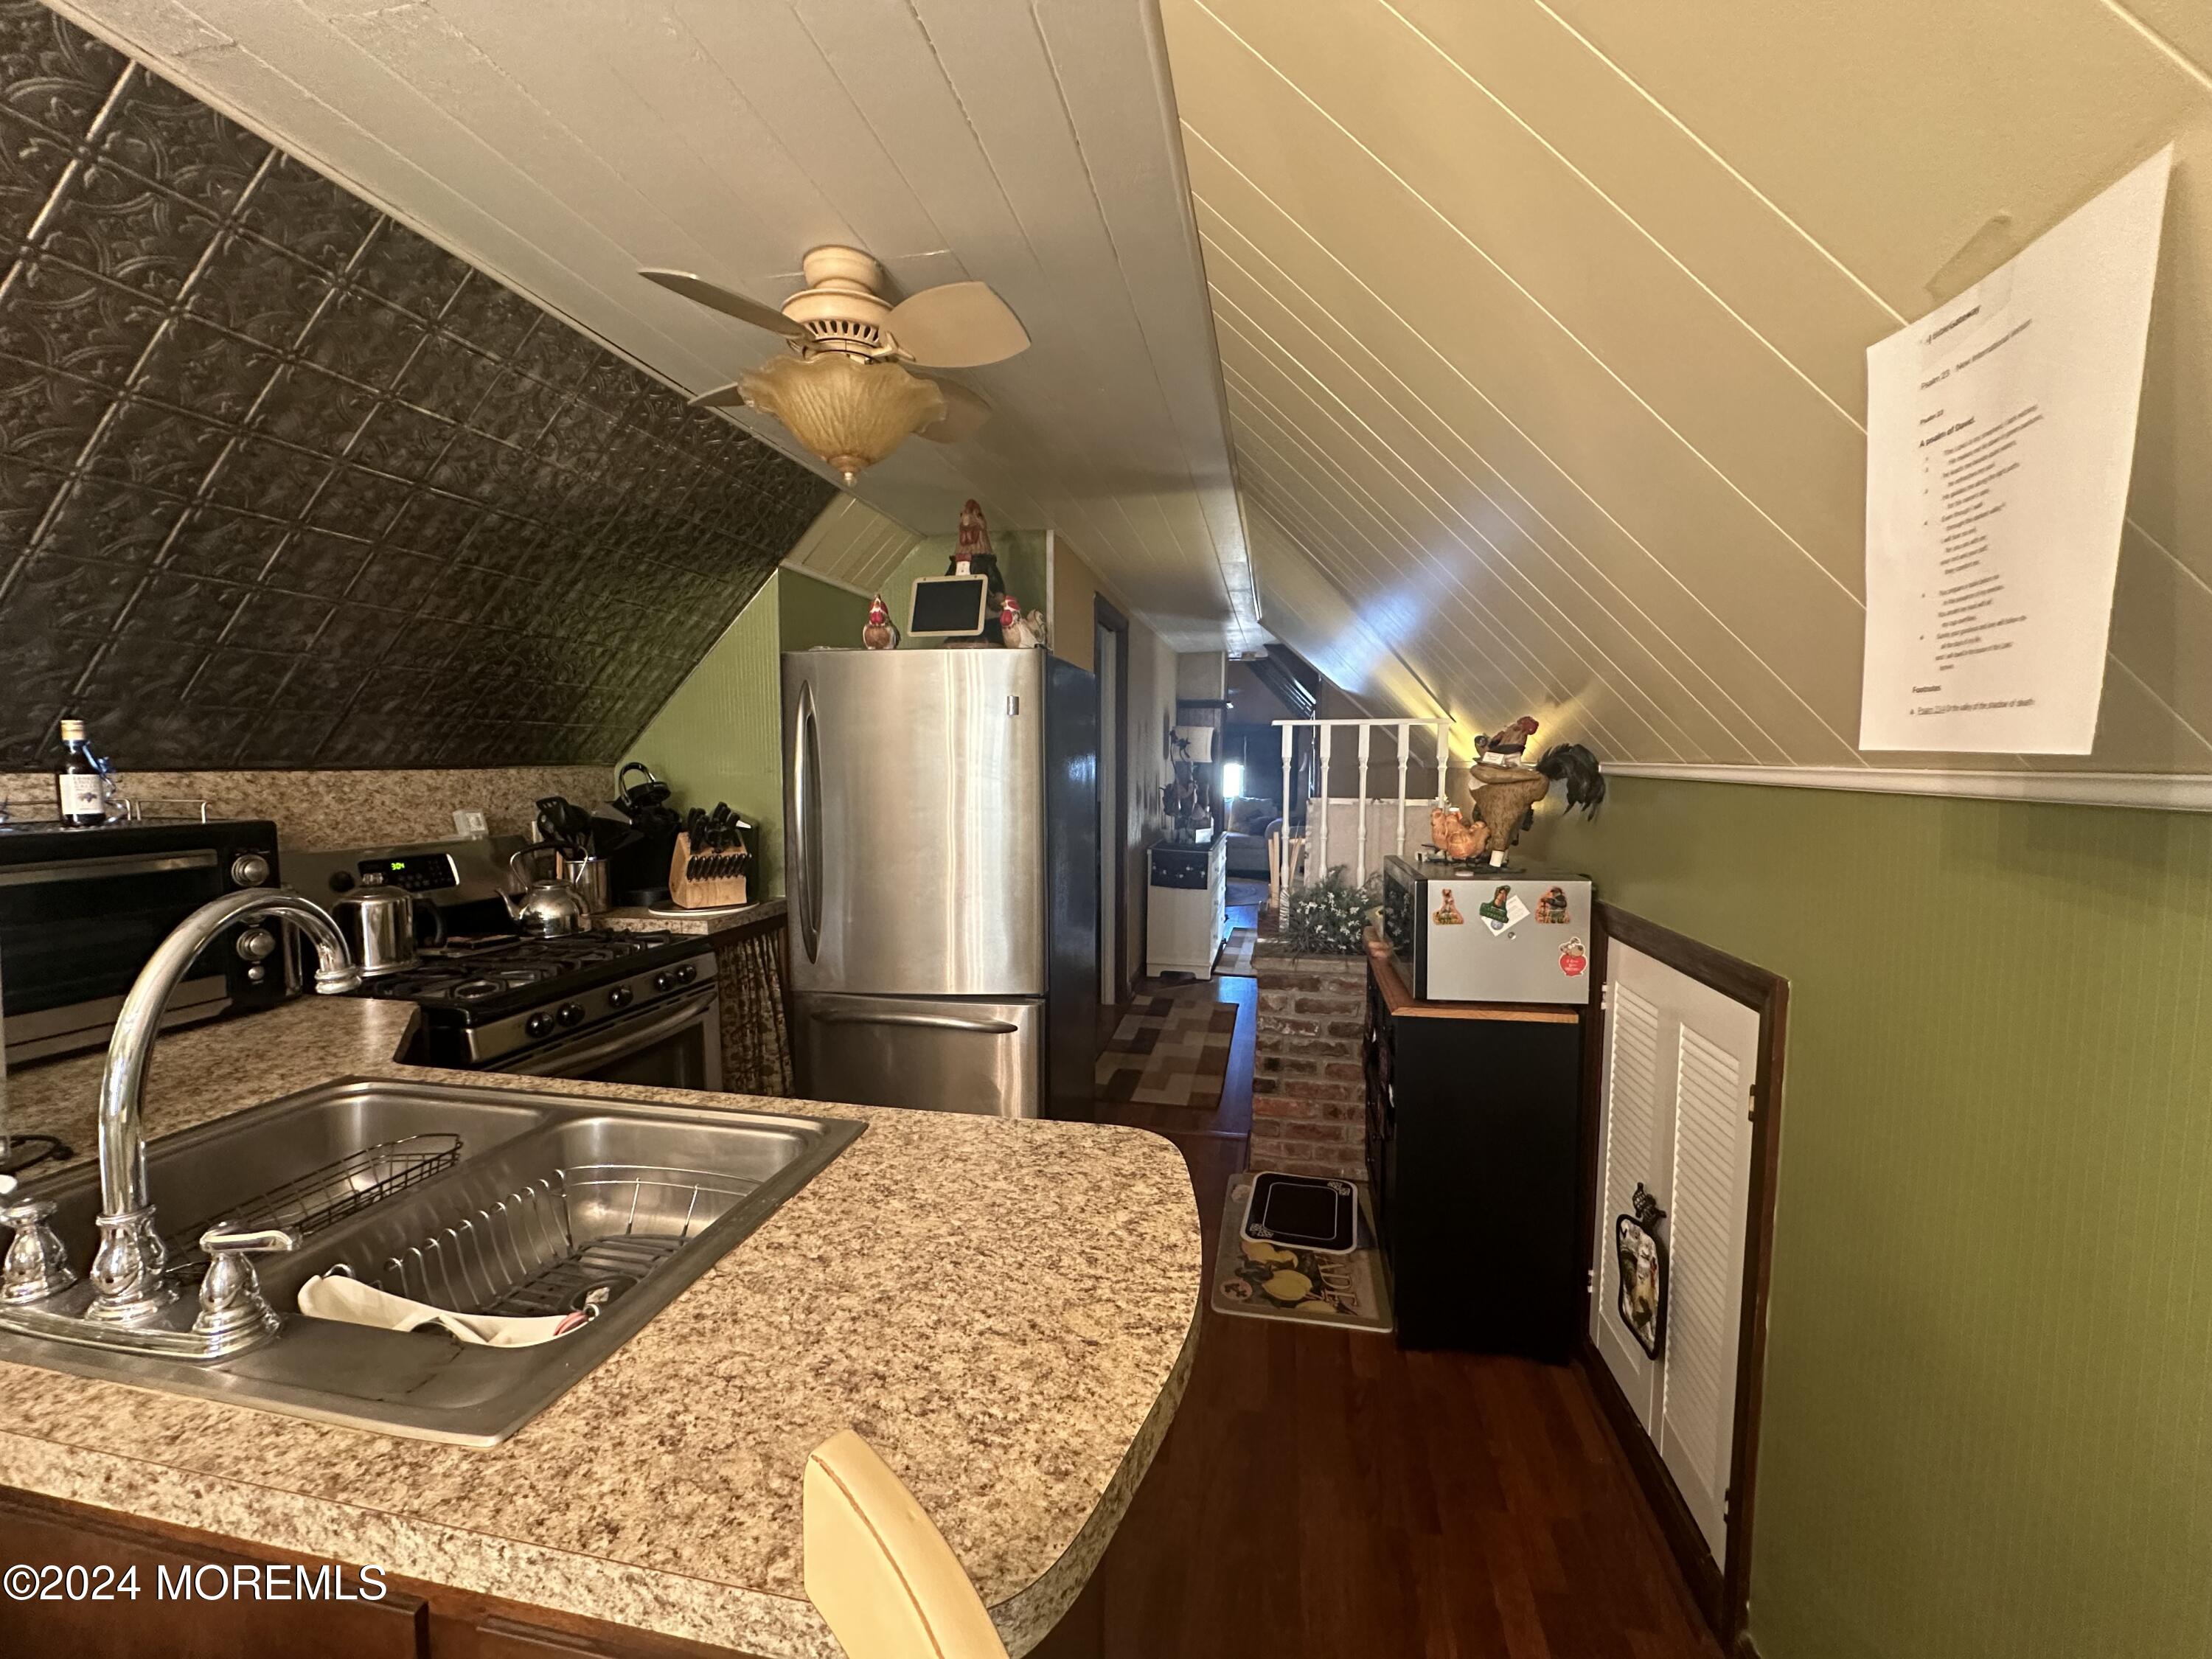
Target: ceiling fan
(849, 389)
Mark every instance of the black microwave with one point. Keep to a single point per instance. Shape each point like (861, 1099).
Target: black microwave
(82, 909)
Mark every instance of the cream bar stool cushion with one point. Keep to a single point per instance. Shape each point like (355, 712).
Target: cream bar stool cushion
(882, 1576)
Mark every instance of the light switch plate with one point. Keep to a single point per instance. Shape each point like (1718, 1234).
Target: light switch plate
(472, 824)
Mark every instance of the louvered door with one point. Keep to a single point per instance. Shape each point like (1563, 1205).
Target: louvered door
(1629, 1150)
(1676, 1105)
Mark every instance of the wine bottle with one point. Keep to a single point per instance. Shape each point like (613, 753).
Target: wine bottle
(79, 779)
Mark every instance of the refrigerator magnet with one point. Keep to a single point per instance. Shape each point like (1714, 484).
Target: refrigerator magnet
(1572, 960)
(1552, 908)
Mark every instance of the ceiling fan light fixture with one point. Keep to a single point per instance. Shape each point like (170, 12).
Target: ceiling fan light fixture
(850, 412)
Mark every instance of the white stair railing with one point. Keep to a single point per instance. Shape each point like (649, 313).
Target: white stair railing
(1314, 842)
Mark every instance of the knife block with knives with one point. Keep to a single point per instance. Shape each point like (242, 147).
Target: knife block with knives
(709, 867)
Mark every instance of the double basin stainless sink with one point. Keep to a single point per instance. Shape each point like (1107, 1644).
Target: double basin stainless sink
(493, 1200)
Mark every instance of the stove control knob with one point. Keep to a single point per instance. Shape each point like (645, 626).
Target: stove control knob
(256, 943)
(620, 997)
(686, 974)
(538, 1025)
(248, 870)
(572, 1013)
(663, 981)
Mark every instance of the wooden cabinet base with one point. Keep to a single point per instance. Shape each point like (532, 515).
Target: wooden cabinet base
(227, 1615)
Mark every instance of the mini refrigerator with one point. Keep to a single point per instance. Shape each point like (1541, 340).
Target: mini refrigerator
(1472, 932)
(941, 865)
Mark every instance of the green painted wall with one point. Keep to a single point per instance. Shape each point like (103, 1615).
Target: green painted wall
(811, 613)
(1990, 1371)
(721, 736)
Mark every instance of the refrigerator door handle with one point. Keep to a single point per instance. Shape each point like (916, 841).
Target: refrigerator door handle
(926, 1021)
(807, 789)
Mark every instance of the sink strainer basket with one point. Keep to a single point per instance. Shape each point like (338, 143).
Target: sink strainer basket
(544, 1248)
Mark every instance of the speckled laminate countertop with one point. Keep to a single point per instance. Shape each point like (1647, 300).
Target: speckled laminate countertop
(636, 919)
(1006, 1311)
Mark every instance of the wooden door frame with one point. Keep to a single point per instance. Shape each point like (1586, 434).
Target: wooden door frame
(1722, 1591)
(1115, 975)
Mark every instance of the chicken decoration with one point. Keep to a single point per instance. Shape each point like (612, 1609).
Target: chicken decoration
(1506, 792)
(879, 635)
(1507, 746)
(1455, 837)
(975, 541)
(1018, 631)
(1505, 796)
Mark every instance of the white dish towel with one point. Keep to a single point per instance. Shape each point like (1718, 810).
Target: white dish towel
(334, 1296)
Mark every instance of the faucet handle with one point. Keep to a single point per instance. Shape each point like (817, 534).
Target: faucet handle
(227, 1238)
(35, 1267)
(233, 1312)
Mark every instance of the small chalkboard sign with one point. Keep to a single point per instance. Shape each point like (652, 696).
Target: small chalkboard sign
(948, 607)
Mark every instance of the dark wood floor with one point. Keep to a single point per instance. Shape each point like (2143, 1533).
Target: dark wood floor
(1324, 1495)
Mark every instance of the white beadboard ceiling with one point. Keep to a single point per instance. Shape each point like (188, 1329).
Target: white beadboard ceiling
(561, 144)
(851, 544)
(1543, 324)
(1540, 324)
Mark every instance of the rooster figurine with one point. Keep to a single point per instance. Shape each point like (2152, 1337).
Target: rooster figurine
(1019, 632)
(1505, 748)
(879, 635)
(1505, 796)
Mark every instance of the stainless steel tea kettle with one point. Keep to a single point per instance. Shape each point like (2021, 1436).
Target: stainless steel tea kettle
(547, 906)
(378, 924)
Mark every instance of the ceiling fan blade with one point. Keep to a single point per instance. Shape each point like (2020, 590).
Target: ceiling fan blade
(958, 326)
(722, 396)
(718, 298)
(964, 413)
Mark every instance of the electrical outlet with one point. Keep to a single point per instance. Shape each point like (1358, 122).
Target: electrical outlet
(470, 825)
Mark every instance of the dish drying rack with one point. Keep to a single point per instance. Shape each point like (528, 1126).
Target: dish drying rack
(548, 1245)
(326, 1196)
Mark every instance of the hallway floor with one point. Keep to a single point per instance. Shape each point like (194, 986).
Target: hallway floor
(1324, 1495)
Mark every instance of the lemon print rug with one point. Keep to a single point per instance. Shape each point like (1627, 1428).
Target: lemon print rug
(1258, 1280)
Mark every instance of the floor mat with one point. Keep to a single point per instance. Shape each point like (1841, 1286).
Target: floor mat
(1235, 958)
(1267, 1281)
(1169, 1051)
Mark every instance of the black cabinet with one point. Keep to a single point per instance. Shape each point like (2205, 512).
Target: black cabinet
(1474, 1115)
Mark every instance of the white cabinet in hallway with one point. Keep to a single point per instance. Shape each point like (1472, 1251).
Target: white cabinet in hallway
(1676, 1117)
(1186, 908)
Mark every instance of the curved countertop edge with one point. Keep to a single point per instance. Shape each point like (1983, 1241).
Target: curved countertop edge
(663, 1601)
(1027, 1617)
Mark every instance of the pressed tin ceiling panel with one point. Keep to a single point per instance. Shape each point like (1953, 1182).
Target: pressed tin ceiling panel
(1543, 330)
(562, 144)
(282, 485)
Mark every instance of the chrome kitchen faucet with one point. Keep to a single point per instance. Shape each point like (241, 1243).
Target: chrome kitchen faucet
(127, 1304)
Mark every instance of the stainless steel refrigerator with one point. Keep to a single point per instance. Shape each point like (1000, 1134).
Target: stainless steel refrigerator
(941, 862)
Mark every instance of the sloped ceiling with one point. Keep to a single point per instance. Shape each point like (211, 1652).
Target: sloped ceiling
(561, 144)
(1543, 329)
(852, 544)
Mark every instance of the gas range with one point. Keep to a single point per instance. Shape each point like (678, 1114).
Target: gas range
(487, 999)
(627, 1007)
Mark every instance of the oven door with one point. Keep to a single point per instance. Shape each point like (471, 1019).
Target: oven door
(670, 1045)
